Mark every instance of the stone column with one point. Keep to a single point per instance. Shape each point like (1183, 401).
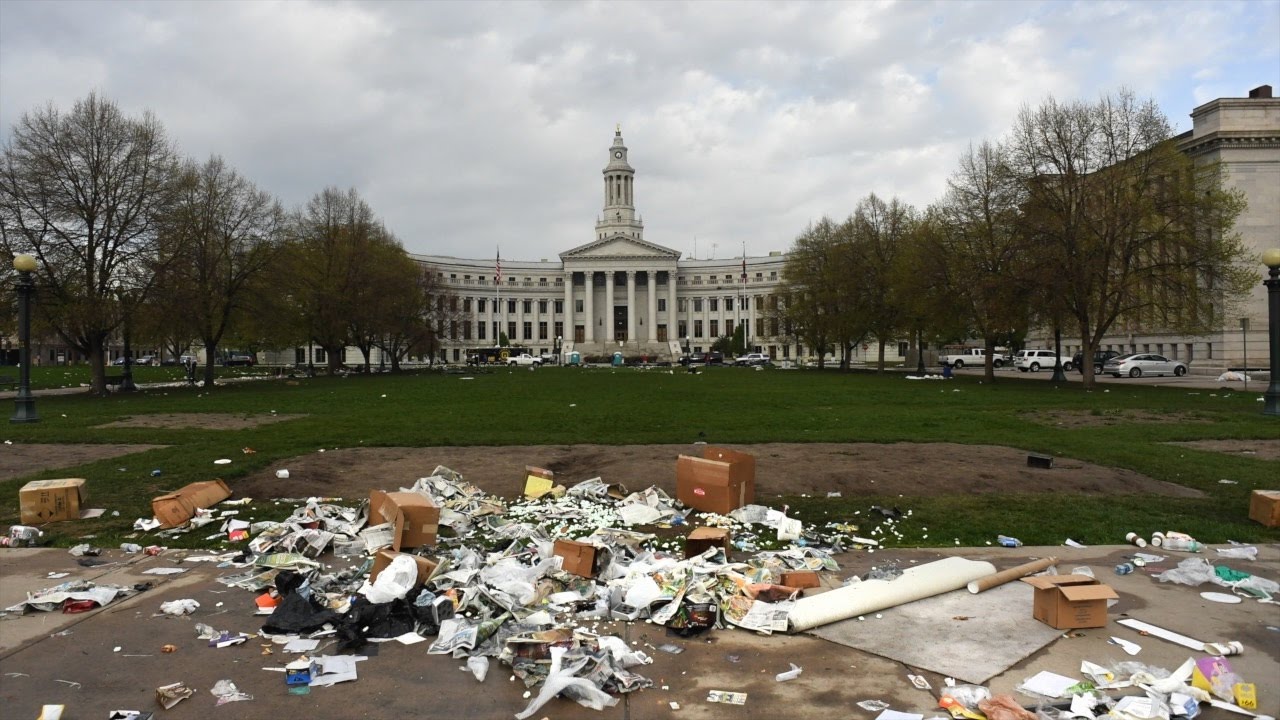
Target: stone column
(673, 318)
(519, 322)
(567, 318)
(631, 306)
(653, 306)
(588, 302)
(608, 306)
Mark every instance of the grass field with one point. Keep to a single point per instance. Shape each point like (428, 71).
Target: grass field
(725, 405)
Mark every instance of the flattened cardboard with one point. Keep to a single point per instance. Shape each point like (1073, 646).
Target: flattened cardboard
(801, 579)
(178, 507)
(538, 481)
(579, 558)
(719, 481)
(1068, 602)
(426, 566)
(413, 516)
(1264, 507)
(46, 501)
(704, 538)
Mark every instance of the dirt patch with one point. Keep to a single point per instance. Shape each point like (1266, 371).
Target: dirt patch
(203, 421)
(18, 460)
(1260, 449)
(781, 469)
(1100, 418)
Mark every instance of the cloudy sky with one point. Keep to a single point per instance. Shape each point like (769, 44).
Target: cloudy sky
(469, 126)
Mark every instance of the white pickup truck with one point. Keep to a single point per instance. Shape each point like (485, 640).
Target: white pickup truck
(972, 356)
(524, 359)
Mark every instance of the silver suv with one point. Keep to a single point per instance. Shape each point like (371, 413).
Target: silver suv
(1033, 360)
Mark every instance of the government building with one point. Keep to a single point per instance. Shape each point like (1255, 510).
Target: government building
(617, 293)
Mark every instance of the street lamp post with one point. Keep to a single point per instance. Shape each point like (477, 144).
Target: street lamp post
(126, 381)
(24, 405)
(559, 345)
(1271, 258)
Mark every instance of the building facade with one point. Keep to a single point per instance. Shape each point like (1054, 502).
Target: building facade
(617, 293)
(1242, 136)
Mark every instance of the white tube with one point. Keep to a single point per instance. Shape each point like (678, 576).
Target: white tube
(868, 596)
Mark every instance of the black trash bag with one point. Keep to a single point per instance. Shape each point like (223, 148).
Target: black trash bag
(429, 610)
(692, 619)
(287, 581)
(366, 620)
(296, 614)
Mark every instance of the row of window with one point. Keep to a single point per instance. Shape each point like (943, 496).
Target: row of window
(526, 306)
(513, 281)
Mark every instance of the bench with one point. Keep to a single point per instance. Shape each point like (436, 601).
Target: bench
(113, 380)
(8, 381)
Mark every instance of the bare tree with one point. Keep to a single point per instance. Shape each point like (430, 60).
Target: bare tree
(1135, 232)
(84, 192)
(810, 287)
(881, 230)
(228, 231)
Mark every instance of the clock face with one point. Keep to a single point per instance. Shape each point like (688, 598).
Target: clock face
(617, 154)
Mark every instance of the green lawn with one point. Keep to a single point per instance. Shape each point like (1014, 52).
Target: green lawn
(726, 405)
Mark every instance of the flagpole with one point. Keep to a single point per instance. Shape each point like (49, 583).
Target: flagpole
(497, 298)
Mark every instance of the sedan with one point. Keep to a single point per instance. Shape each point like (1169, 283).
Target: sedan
(1140, 364)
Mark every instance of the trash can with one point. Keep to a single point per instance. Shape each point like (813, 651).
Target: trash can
(617, 359)
(946, 370)
(575, 358)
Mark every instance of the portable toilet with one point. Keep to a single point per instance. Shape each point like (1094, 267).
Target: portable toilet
(617, 359)
(575, 358)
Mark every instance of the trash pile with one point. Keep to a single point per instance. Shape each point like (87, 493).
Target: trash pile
(526, 583)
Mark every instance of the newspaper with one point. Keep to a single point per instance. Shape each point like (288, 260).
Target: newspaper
(756, 615)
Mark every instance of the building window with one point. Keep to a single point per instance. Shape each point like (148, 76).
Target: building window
(511, 330)
(319, 354)
(542, 307)
(455, 355)
(697, 304)
(715, 328)
(683, 304)
(728, 328)
(466, 304)
(481, 304)
(511, 307)
(728, 304)
(662, 304)
(559, 329)
(577, 306)
(903, 349)
(746, 303)
(1208, 351)
(542, 330)
(559, 307)
(480, 331)
(759, 327)
(697, 328)
(299, 356)
(682, 328)
(527, 330)
(786, 351)
(528, 307)
(713, 304)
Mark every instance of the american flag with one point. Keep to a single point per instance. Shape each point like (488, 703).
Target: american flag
(497, 269)
(744, 266)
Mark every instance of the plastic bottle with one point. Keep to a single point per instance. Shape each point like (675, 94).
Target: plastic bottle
(1006, 541)
(1124, 568)
(131, 548)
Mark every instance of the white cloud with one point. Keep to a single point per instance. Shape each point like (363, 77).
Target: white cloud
(468, 125)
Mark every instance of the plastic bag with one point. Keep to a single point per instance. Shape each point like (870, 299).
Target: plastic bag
(968, 695)
(1192, 571)
(179, 607)
(479, 666)
(394, 582)
(558, 679)
(1004, 707)
(1247, 552)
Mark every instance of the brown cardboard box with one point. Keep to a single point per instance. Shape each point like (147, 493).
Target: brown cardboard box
(801, 579)
(426, 566)
(178, 507)
(579, 558)
(1264, 507)
(538, 481)
(1070, 601)
(415, 517)
(46, 501)
(719, 481)
(703, 538)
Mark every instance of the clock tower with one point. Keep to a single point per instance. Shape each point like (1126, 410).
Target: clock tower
(619, 199)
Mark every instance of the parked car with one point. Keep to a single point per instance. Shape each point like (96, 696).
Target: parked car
(240, 360)
(753, 359)
(1033, 360)
(145, 360)
(1139, 364)
(713, 358)
(1100, 358)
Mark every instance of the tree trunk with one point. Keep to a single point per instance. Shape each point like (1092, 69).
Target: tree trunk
(989, 371)
(880, 358)
(210, 352)
(367, 352)
(97, 370)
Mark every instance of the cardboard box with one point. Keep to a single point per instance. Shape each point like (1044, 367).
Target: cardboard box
(718, 482)
(426, 566)
(704, 538)
(46, 501)
(415, 519)
(801, 579)
(579, 558)
(1066, 602)
(1264, 507)
(538, 481)
(178, 507)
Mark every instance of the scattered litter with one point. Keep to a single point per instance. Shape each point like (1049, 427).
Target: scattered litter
(1006, 541)
(791, 674)
(727, 697)
(920, 682)
(873, 705)
(898, 715)
(222, 461)
(179, 607)
(172, 694)
(164, 571)
(1072, 543)
(1130, 647)
(1246, 552)
(669, 648)
(1047, 684)
(226, 691)
(1223, 598)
